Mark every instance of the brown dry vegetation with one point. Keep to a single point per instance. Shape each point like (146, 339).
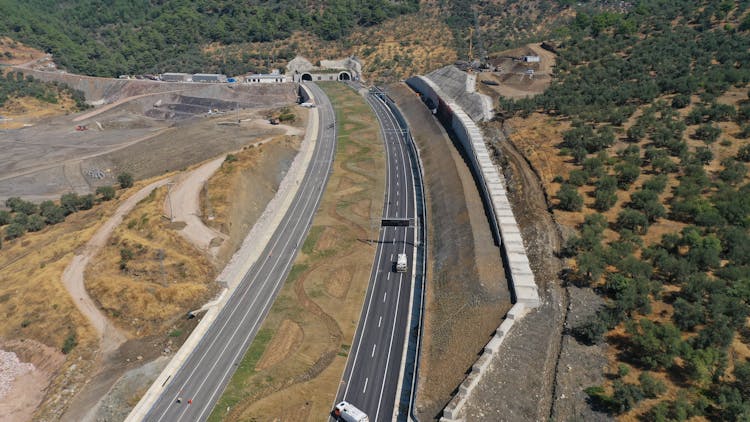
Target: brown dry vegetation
(400, 47)
(148, 275)
(19, 112)
(537, 136)
(35, 305)
(405, 46)
(22, 111)
(323, 296)
(19, 52)
(236, 195)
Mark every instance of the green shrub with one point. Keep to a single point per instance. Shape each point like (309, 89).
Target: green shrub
(70, 343)
(14, 230)
(569, 198)
(125, 180)
(107, 192)
(35, 223)
(651, 386)
(4, 217)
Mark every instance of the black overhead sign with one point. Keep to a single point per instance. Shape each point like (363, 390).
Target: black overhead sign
(399, 222)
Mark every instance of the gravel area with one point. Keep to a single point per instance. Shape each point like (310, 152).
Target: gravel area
(11, 368)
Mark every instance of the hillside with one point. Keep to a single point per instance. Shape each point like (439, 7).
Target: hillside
(395, 39)
(130, 37)
(641, 141)
(25, 100)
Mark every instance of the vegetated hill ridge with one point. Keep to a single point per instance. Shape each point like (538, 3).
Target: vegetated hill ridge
(394, 39)
(652, 113)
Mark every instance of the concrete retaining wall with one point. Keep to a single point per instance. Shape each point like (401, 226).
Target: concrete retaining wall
(502, 222)
(452, 411)
(460, 87)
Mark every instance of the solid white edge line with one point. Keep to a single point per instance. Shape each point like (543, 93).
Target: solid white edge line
(372, 287)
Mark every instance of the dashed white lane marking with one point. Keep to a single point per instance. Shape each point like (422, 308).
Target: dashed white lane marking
(380, 320)
(388, 277)
(385, 294)
(364, 390)
(373, 351)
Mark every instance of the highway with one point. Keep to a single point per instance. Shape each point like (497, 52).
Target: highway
(205, 373)
(372, 374)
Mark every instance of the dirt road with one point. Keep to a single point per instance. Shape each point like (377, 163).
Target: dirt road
(111, 337)
(521, 382)
(112, 105)
(183, 205)
(183, 202)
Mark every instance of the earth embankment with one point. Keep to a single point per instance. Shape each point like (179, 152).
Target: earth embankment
(467, 293)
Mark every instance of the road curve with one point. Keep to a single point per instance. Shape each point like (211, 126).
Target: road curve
(372, 373)
(203, 376)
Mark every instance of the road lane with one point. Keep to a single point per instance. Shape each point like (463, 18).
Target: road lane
(202, 378)
(370, 380)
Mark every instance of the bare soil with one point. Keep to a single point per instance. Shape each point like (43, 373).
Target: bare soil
(146, 134)
(512, 78)
(540, 371)
(27, 389)
(467, 294)
(20, 53)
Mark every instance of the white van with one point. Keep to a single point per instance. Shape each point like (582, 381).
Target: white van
(401, 264)
(347, 412)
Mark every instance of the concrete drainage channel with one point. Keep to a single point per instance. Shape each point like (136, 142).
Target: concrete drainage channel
(506, 230)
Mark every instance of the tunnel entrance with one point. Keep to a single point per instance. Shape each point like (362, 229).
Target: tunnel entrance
(344, 76)
(306, 77)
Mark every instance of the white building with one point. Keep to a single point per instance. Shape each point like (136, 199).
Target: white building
(266, 78)
(175, 77)
(209, 77)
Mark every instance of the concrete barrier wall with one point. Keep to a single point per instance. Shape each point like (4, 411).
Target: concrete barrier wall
(492, 189)
(502, 221)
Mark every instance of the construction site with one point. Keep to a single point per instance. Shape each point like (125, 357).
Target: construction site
(209, 159)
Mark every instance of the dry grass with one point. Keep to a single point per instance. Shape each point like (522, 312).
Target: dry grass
(33, 301)
(323, 295)
(20, 53)
(537, 135)
(19, 112)
(236, 195)
(287, 339)
(398, 48)
(148, 293)
(218, 208)
(404, 46)
(34, 304)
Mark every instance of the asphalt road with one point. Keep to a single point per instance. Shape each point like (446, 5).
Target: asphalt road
(206, 372)
(371, 377)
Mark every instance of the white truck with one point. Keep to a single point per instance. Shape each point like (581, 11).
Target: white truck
(347, 412)
(401, 263)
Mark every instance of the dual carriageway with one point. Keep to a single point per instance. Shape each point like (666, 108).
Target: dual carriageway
(374, 372)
